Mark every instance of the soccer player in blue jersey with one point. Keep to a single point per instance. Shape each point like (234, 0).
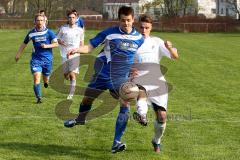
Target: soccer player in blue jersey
(111, 69)
(43, 40)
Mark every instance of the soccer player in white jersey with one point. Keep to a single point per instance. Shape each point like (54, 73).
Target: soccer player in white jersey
(148, 57)
(43, 40)
(70, 36)
(112, 68)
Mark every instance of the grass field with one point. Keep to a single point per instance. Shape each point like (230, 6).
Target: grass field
(204, 113)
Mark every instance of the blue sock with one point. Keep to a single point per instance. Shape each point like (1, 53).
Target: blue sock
(37, 89)
(121, 123)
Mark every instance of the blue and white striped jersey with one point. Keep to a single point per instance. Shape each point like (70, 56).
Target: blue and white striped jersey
(117, 55)
(117, 42)
(46, 36)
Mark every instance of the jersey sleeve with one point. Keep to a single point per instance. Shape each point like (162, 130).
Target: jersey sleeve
(99, 39)
(82, 35)
(52, 36)
(60, 33)
(26, 39)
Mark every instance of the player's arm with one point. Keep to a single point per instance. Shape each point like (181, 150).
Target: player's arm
(82, 49)
(53, 39)
(20, 51)
(59, 37)
(93, 43)
(173, 51)
(54, 44)
(81, 39)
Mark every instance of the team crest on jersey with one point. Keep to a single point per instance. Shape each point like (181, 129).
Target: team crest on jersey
(126, 45)
(40, 39)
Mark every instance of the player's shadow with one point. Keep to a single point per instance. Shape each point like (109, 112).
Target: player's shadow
(49, 149)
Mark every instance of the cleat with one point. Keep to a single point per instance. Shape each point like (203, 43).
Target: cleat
(72, 122)
(39, 100)
(142, 119)
(156, 147)
(45, 85)
(70, 97)
(119, 147)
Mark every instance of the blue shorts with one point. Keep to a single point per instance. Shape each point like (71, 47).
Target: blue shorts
(108, 75)
(45, 67)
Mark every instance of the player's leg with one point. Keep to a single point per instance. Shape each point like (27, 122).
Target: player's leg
(36, 70)
(46, 70)
(94, 89)
(142, 107)
(85, 106)
(159, 126)
(37, 86)
(72, 69)
(45, 81)
(121, 124)
(72, 78)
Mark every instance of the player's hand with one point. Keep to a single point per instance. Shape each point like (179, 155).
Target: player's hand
(72, 52)
(44, 45)
(61, 42)
(133, 73)
(168, 44)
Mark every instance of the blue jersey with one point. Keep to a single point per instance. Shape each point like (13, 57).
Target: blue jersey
(80, 22)
(45, 36)
(116, 57)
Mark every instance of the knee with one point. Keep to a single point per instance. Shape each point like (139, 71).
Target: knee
(161, 118)
(87, 100)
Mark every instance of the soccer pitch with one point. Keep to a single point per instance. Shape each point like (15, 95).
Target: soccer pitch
(203, 121)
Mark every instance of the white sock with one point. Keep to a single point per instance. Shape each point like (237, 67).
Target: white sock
(142, 107)
(72, 87)
(159, 129)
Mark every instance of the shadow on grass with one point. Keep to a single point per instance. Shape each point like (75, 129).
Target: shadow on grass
(43, 150)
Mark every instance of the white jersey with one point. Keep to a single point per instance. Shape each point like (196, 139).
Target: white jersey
(148, 58)
(72, 36)
(151, 52)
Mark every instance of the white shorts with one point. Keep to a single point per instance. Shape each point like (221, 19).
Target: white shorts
(71, 64)
(158, 94)
(159, 100)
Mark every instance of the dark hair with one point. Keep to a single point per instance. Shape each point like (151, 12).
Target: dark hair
(125, 10)
(73, 11)
(146, 18)
(42, 11)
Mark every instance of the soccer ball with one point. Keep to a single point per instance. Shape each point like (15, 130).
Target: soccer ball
(128, 91)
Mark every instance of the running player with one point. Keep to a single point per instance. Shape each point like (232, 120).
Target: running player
(43, 40)
(70, 36)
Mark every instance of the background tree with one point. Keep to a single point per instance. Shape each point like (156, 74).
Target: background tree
(234, 5)
(171, 8)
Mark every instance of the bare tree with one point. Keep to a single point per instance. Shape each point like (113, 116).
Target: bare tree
(185, 4)
(50, 6)
(7, 5)
(234, 5)
(170, 8)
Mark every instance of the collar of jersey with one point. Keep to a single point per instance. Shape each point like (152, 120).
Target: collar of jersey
(132, 32)
(44, 28)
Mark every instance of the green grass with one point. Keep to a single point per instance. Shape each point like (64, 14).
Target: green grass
(205, 83)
